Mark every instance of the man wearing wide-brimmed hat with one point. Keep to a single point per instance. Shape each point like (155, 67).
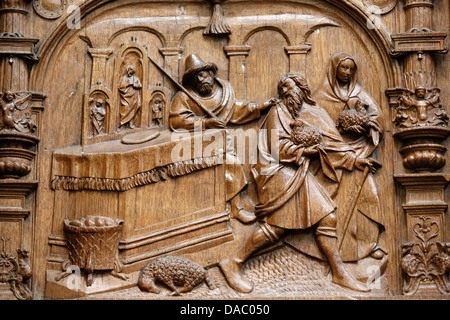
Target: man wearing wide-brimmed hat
(210, 102)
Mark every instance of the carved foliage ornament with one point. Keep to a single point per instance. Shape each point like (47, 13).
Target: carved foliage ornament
(16, 271)
(425, 261)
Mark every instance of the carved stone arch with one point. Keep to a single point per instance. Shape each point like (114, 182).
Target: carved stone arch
(259, 29)
(138, 28)
(255, 63)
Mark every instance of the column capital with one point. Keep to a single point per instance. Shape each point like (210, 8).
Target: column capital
(299, 49)
(171, 51)
(239, 50)
(418, 3)
(100, 52)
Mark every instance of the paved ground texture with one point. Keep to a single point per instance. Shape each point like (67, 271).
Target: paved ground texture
(281, 274)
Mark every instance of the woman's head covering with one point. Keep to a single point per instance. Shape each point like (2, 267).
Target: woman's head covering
(333, 65)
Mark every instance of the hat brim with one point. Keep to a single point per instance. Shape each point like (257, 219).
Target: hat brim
(191, 71)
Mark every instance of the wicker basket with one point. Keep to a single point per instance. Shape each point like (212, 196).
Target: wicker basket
(93, 247)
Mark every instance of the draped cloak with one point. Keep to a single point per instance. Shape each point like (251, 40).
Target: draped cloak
(290, 196)
(130, 98)
(364, 228)
(186, 114)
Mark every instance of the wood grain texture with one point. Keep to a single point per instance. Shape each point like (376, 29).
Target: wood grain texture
(82, 162)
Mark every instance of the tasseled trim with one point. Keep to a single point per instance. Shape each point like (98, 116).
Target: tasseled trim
(217, 24)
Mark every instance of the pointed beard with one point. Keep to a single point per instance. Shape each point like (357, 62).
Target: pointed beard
(293, 101)
(205, 87)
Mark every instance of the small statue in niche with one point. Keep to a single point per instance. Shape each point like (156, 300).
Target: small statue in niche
(415, 111)
(173, 271)
(209, 103)
(359, 120)
(130, 98)
(15, 113)
(97, 114)
(157, 105)
(291, 198)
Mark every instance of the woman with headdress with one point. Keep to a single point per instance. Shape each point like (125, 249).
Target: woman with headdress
(358, 118)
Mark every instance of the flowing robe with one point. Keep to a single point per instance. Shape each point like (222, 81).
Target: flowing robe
(364, 227)
(130, 98)
(290, 196)
(186, 114)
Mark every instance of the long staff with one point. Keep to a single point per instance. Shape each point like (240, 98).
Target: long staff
(212, 115)
(358, 193)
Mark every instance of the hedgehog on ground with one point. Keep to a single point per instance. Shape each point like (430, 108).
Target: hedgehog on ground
(178, 273)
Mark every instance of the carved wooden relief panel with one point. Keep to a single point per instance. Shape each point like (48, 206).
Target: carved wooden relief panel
(224, 149)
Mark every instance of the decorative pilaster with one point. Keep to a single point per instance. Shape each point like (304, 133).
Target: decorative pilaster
(18, 126)
(297, 57)
(171, 59)
(421, 124)
(99, 58)
(19, 136)
(237, 56)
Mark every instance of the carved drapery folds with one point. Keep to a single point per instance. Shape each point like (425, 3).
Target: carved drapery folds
(421, 122)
